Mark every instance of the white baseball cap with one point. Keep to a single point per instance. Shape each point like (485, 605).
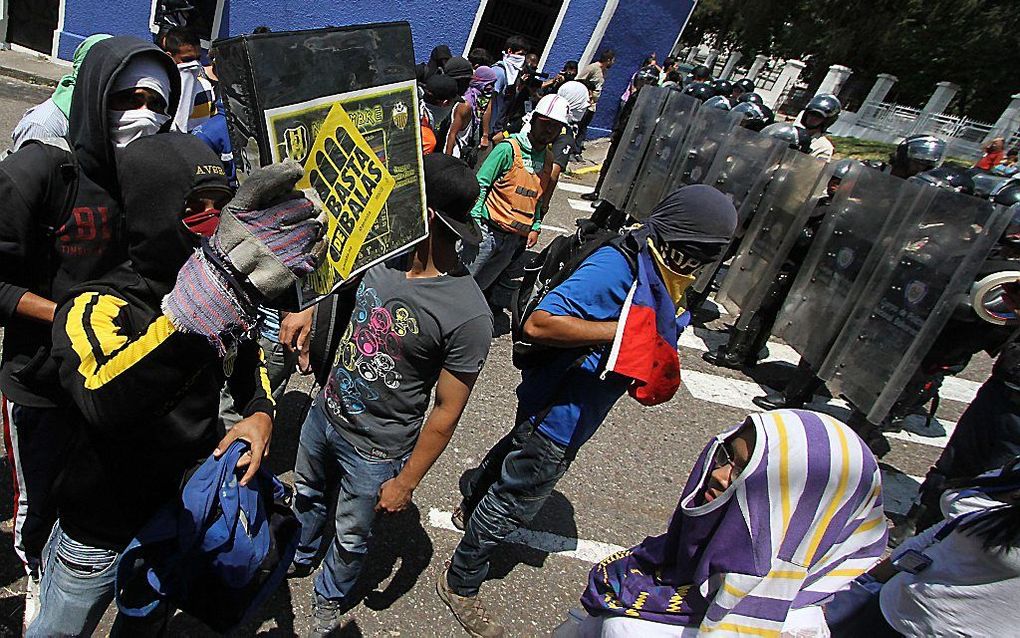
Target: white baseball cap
(554, 107)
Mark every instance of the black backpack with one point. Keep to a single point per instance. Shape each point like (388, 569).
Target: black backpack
(547, 270)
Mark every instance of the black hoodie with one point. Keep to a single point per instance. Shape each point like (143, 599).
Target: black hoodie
(149, 395)
(43, 252)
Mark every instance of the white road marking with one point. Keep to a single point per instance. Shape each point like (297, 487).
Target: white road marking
(575, 188)
(914, 431)
(581, 205)
(957, 389)
(557, 229)
(705, 340)
(587, 551)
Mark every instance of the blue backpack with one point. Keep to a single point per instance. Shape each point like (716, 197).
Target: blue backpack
(217, 553)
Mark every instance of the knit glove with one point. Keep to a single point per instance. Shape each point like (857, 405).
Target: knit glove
(265, 242)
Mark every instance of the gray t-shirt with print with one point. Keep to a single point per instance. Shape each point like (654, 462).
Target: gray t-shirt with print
(402, 334)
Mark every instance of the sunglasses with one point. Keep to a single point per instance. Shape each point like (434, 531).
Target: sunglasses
(723, 458)
(133, 99)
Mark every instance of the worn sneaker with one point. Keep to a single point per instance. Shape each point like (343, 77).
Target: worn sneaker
(298, 570)
(32, 599)
(326, 616)
(468, 610)
(457, 518)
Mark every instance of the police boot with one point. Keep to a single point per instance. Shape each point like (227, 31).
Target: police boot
(800, 390)
(735, 353)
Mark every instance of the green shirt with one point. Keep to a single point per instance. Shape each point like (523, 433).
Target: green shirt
(496, 165)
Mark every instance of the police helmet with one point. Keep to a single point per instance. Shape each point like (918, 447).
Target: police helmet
(649, 75)
(722, 87)
(700, 90)
(925, 150)
(784, 131)
(826, 106)
(841, 168)
(1008, 194)
(717, 102)
(751, 97)
(745, 86)
(753, 116)
(701, 73)
(948, 177)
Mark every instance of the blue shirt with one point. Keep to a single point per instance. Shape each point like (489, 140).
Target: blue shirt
(499, 99)
(580, 398)
(215, 134)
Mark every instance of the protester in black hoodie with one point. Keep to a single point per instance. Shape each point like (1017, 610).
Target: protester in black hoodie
(144, 378)
(58, 229)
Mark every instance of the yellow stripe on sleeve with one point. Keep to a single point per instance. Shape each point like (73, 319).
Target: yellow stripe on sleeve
(837, 498)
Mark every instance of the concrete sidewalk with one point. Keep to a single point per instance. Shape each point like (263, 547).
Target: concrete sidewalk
(31, 67)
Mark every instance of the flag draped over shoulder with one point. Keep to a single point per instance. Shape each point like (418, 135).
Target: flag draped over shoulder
(645, 345)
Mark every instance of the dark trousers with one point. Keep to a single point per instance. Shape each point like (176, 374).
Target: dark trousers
(38, 443)
(505, 492)
(582, 130)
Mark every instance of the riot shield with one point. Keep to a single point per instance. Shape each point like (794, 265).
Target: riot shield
(709, 130)
(742, 171)
(908, 299)
(633, 145)
(789, 199)
(661, 157)
(344, 103)
(863, 216)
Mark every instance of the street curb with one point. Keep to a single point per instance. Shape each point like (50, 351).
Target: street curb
(27, 76)
(595, 168)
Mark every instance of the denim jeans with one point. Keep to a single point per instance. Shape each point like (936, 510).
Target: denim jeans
(78, 584)
(492, 256)
(505, 492)
(324, 458)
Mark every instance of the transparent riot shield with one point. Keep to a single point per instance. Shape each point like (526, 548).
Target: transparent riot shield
(741, 170)
(633, 145)
(662, 155)
(743, 163)
(910, 296)
(788, 201)
(708, 132)
(862, 219)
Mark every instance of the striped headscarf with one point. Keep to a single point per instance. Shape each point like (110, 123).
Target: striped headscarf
(802, 520)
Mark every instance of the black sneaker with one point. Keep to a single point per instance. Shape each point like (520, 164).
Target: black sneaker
(326, 616)
(590, 197)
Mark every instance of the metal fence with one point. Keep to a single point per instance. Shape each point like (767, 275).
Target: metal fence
(963, 136)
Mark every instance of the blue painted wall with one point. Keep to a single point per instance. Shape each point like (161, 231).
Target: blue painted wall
(637, 29)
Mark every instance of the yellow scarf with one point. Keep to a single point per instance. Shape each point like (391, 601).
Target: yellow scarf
(676, 284)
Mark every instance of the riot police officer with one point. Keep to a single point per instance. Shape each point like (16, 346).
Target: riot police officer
(820, 113)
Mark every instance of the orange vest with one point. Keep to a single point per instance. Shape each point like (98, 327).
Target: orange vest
(513, 199)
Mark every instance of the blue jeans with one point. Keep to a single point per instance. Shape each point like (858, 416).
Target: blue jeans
(493, 256)
(78, 584)
(324, 457)
(505, 492)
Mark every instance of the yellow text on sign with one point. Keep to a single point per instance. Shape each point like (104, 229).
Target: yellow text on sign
(353, 185)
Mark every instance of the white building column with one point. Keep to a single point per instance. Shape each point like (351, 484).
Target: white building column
(731, 63)
(757, 66)
(1008, 122)
(940, 99)
(713, 55)
(834, 79)
(692, 54)
(787, 78)
(879, 90)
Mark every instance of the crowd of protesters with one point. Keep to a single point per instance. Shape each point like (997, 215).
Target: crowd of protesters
(138, 280)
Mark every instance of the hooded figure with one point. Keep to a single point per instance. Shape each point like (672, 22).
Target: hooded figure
(800, 517)
(49, 119)
(123, 468)
(461, 71)
(84, 245)
(437, 60)
(578, 97)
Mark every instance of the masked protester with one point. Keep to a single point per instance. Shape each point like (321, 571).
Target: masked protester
(582, 371)
(436, 62)
(157, 336)
(198, 97)
(469, 129)
(506, 87)
(58, 230)
(49, 119)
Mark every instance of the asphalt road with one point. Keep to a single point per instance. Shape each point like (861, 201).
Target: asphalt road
(623, 486)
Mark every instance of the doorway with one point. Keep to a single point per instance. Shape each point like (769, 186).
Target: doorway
(533, 19)
(31, 23)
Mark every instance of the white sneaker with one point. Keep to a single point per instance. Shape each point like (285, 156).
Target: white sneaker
(31, 597)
